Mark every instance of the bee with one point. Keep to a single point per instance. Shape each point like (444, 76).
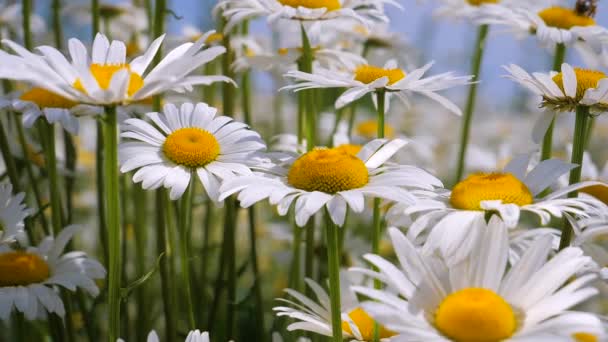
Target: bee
(586, 7)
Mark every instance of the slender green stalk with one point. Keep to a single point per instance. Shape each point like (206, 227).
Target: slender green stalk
(140, 226)
(112, 197)
(480, 44)
(9, 160)
(184, 227)
(309, 258)
(204, 261)
(308, 95)
(334, 130)
(30, 175)
(26, 9)
(377, 215)
(333, 260)
(95, 16)
(295, 279)
(231, 265)
(558, 59)
(57, 29)
(578, 149)
(589, 131)
(166, 279)
(257, 288)
(47, 134)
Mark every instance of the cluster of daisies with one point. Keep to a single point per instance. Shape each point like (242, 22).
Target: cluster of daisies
(509, 254)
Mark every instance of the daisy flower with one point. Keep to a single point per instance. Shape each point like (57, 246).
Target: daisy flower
(451, 217)
(189, 140)
(39, 102)
(481, 298)
(107, 78)
(367, 79)
(335, 178)
(314, 315)
(28, 277)
(553, 24)
(236, 11)
(12, 213)
(563, 91)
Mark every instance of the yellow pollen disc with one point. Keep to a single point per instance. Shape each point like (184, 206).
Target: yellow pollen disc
(478, 187)
(564, 18)
(350, 148)
(214, 38)
(191, 147)
(365, 324)
(584, 337)
(369, 129)
(103, 73)
(328, 170)
(475, 315)
(481, 2)
(585, 79)
(283, 51)
(330, 5)
(370, 73)
(598, 191)
(20, 268)
(46, 99)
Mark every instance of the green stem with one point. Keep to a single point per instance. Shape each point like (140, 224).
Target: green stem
(205, 256)
(308, 95)
(377, 215)
(141, 241)
(184, 227)
(257, 282)
(113, 220)
(30, 175)
(231, 259)
(480, 44)
(547, 147)
(295, 280)
(333, 260)
(26, 10)
(589, 131)
(166, 279)
(309, 258)
(578, 149)
(47, 134)
(9, 160)
(95, 17)
(57, 29)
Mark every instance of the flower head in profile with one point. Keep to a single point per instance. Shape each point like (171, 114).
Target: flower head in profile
(193, 336)
(450, 218)
(552, 24)
(365, 79)
(335, 178)
(12, 213)
(314, 314)
(106, 78)
(567, 89)
(236, 11)
(28, 277)
(482, 298)
(185, 141)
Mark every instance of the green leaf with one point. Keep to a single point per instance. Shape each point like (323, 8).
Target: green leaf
(126, 291)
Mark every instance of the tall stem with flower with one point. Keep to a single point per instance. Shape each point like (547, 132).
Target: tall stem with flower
(479, 47)
(547, 148)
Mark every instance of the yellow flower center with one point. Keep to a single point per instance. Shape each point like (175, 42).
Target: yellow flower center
(584, 337)
(328, 170)
(369, 73)
(365, 324)
(330, 5)
(598, 191)
(46, 99)
(214, 38)
(481, 2)
(21, 268)
(350, 148)
(475, 315)
(369, 129)
(478, 187)
(585, 79)
(564, 18)
(103, 73)
(191, 147)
